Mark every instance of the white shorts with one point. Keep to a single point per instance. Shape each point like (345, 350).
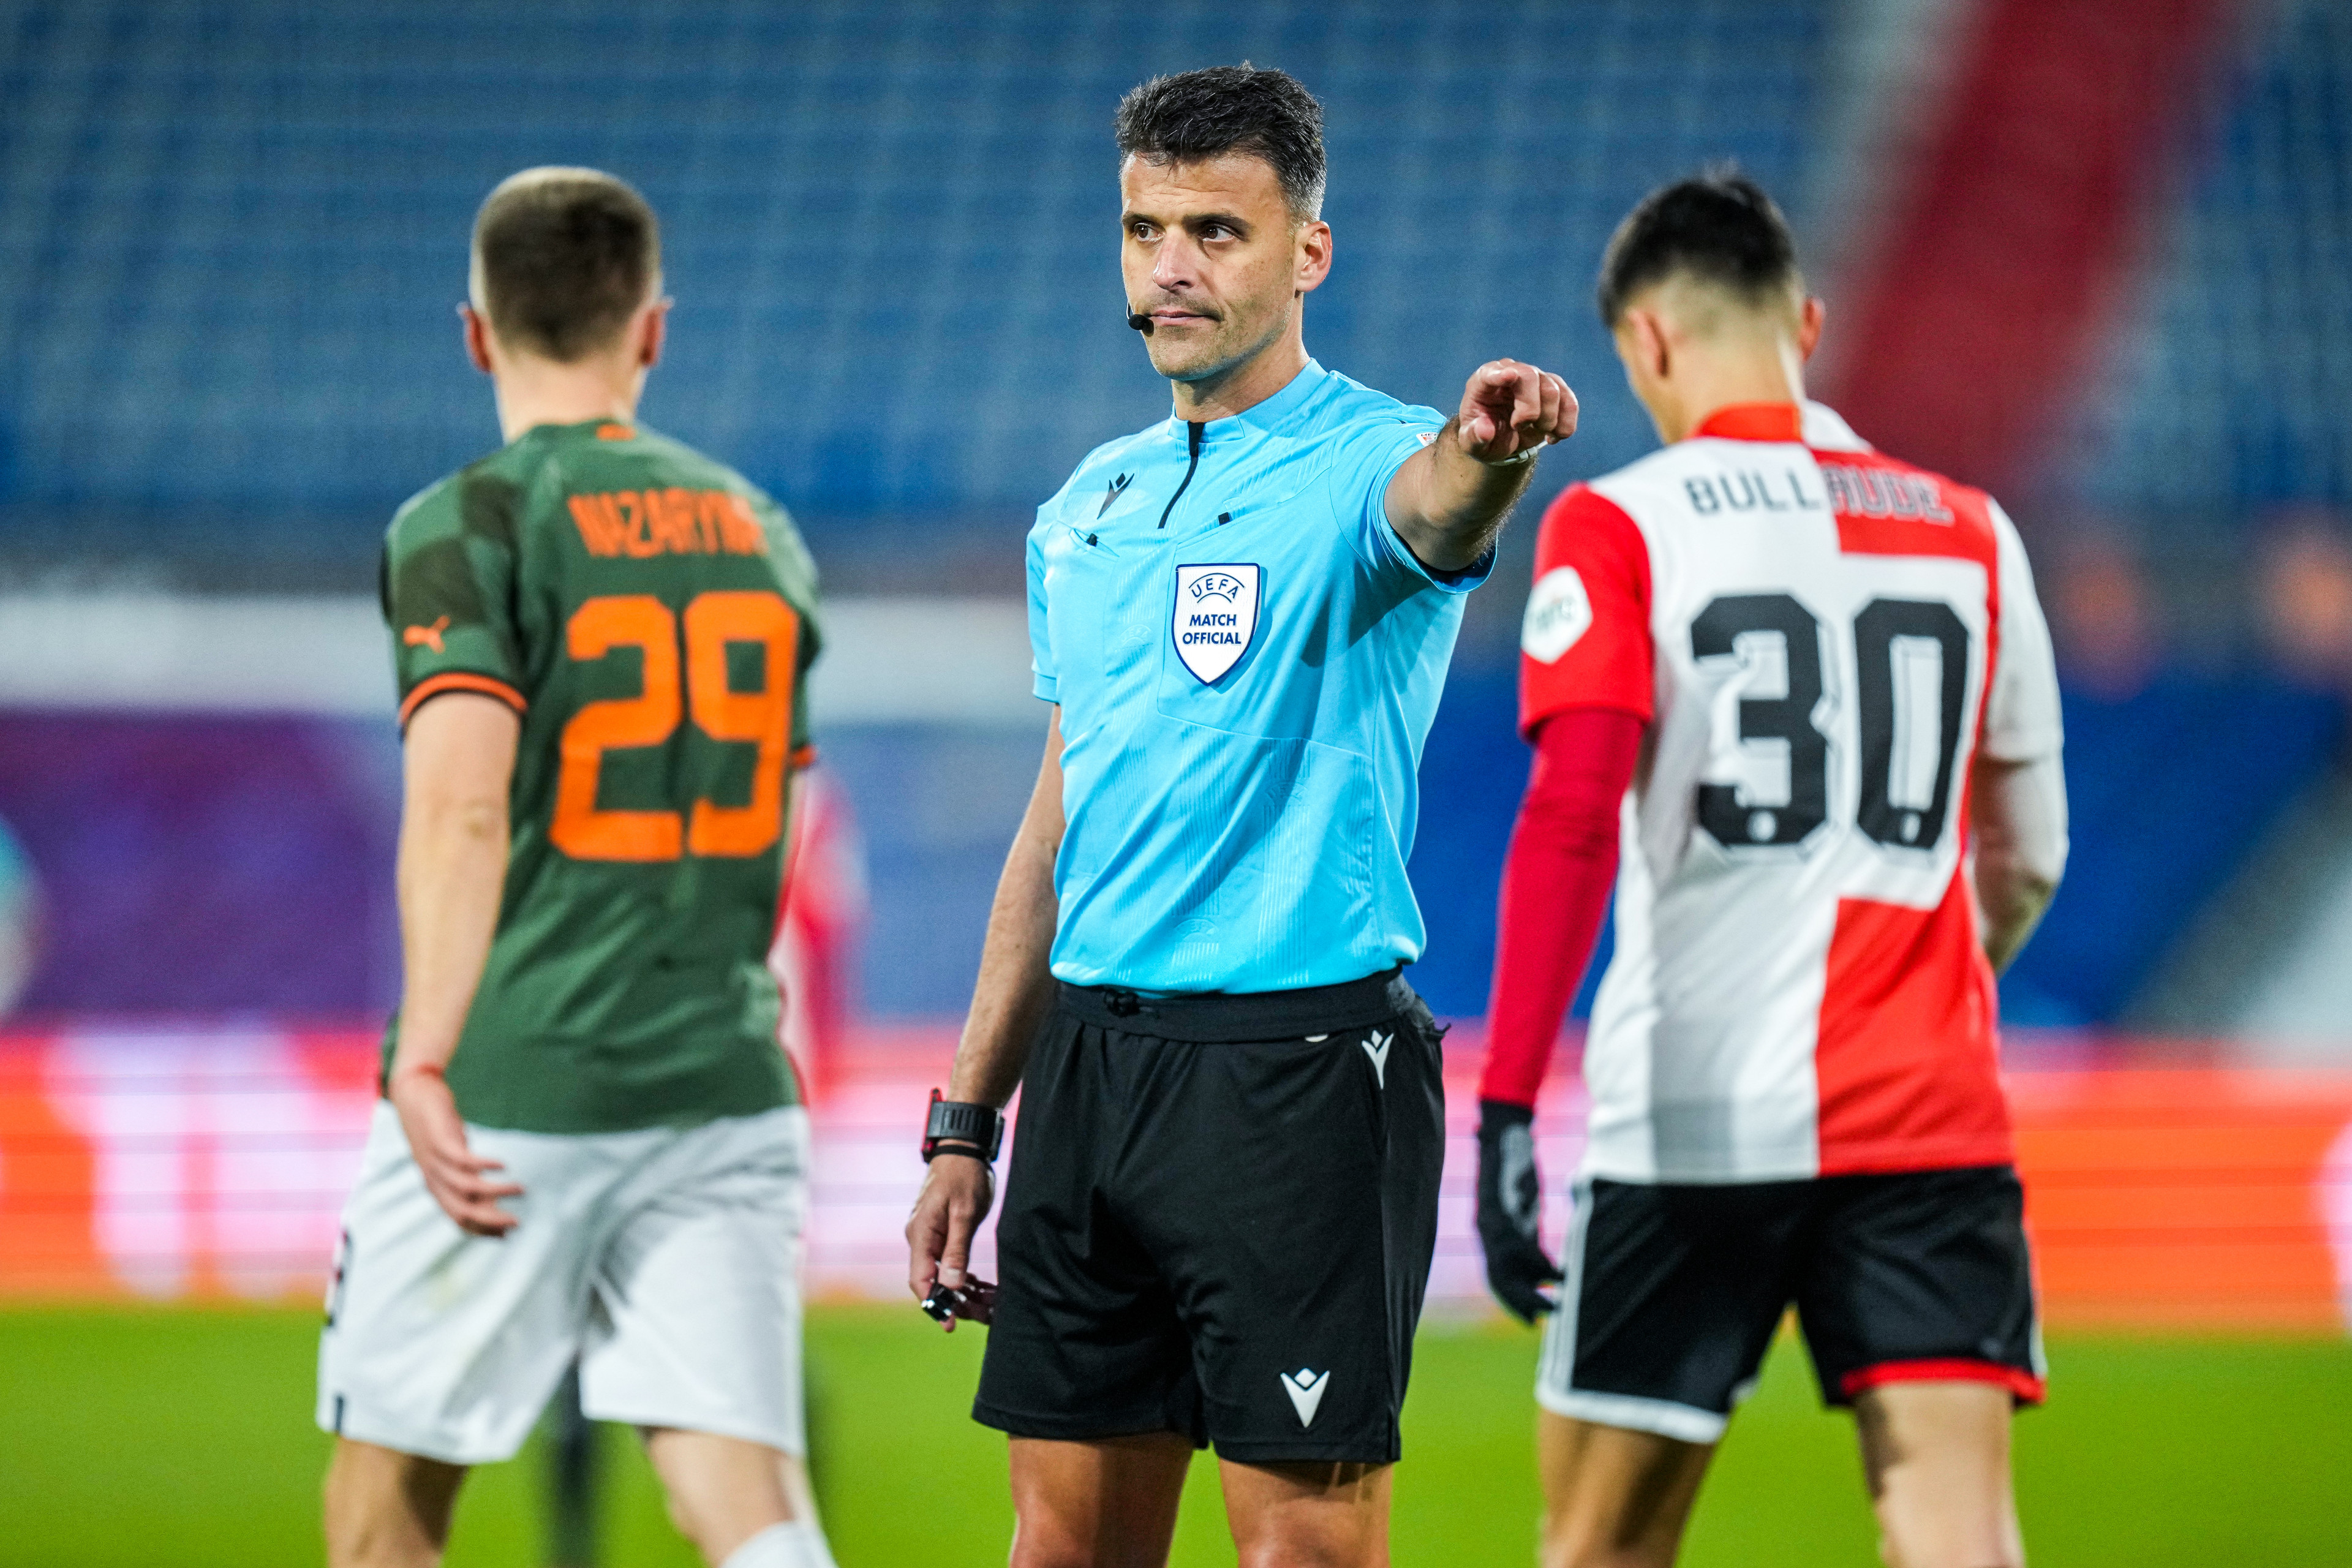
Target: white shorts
(666, 1259)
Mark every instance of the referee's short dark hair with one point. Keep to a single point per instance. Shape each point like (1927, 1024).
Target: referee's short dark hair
(1231, 109)
(562, 259)
(1719, 227)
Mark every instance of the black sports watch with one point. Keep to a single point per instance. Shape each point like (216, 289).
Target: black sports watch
(979, 1127)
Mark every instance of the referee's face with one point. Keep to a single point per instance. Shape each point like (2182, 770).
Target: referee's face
(1214, 255)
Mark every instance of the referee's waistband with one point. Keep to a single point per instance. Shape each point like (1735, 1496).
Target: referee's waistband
(1225, 1017)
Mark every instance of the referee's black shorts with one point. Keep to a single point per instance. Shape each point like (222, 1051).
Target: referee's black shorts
(1219, 1220)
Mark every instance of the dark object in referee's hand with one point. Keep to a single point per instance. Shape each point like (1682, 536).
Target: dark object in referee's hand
(1509, 1194)
(975, 1303)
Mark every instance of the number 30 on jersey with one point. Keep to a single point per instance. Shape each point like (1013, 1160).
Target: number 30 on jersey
(1911, 659)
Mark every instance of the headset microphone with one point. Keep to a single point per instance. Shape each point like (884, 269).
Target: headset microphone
(1140, 321)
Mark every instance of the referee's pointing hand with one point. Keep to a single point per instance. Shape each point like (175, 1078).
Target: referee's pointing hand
(1448, 501)
(1509, 408)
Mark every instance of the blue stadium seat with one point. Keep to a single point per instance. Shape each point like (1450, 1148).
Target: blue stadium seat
(230, 235)
(2231, 385)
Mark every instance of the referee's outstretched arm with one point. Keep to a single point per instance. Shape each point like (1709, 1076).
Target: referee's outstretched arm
(1449, 500)
(1008, 1003)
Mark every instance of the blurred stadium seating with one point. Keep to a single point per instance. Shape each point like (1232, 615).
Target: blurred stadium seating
(2225, 390)
(236, 232)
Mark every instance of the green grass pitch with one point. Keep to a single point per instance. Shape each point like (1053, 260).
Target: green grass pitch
(139, 1437)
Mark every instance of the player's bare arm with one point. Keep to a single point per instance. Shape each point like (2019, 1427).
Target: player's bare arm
(458, 759)
(1008, 1003)
(2020, 813)
(1450, 500)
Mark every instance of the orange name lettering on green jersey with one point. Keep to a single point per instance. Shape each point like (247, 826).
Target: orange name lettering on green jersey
(651, 617)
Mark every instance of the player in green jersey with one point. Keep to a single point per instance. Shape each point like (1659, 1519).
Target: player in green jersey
(589, 1144)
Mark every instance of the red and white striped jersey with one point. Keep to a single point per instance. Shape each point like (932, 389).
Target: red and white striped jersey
(1823, 641)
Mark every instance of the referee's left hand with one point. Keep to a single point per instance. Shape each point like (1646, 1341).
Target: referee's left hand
(1509, 1204)
(1509, 408)
(957, 1193)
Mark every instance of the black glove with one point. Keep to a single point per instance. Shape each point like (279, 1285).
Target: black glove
(1509, 1198)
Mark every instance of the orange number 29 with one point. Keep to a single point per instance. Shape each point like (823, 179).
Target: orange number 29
(714, 622)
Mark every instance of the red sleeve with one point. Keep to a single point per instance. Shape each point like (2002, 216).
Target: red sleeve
(1555, 889)
(1586, 639)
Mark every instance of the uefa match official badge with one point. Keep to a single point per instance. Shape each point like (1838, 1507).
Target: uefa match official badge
(1216, 616)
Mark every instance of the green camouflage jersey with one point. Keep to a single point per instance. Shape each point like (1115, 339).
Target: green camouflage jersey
(650, 615)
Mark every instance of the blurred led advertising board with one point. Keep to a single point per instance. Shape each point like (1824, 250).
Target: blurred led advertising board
(209, 1165)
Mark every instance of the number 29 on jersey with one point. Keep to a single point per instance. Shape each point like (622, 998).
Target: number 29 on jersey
(674, 691)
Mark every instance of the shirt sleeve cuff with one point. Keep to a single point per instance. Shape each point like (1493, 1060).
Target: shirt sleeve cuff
(1045, 688)
(448, 680)
(1414, 439)
(2024, 744)
(1532, 715)
(1460, 582)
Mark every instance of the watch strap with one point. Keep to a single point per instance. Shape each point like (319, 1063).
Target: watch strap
(964, 1122)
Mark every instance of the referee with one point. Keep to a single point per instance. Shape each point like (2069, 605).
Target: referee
(1218, 1223)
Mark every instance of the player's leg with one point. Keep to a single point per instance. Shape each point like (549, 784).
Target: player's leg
(1937, 1457)
(441, 1348)
(1918, 1307)
(1308, 1515)
(1109, 1503)
(696, 1338)
(385, 1508)
(742, 1504)
(1613, 1497)
(1672, 1296)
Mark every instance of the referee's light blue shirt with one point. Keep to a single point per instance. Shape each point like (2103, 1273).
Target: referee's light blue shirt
(1248, 659)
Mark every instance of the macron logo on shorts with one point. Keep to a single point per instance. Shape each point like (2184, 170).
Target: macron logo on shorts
(1377, 1047)
(1305, 1390)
